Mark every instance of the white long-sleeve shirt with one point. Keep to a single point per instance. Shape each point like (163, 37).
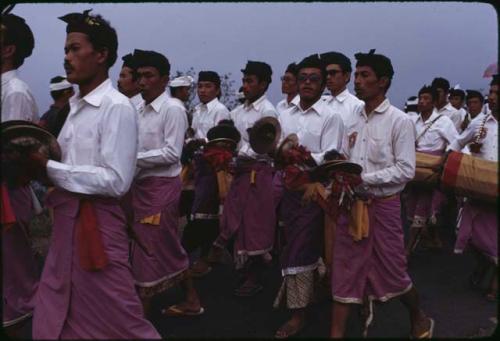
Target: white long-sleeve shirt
(244, 117)
(346, 105)
(489, 149)
(318, 128)
(206, 116)
(384, 147)
(438, 136)
(456, 116)
(17, 101)
(98, 143)
(162, 126)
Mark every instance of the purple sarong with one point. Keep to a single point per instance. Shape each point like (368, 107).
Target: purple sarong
(249, 210)
(74, 303)
(374, 267)
(150, 196)
(479, 227)
(206, 193)
(423, 203)
(20, 272)
(303, 231)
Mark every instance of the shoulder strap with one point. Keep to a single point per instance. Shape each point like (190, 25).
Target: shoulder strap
(427, 128)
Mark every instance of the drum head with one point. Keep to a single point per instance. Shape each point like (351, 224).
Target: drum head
(332, 166)
(30, 135)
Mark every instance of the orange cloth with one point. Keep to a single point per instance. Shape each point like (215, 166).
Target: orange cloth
(151, 220)
(359, 223)
(223, 182)
(90, 246)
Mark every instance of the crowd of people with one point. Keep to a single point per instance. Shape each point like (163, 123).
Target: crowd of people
(250, 181)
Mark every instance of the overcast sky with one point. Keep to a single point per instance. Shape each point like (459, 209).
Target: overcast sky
(424, 40)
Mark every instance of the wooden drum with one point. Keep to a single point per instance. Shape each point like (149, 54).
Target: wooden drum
(471, 177)
(427, 170)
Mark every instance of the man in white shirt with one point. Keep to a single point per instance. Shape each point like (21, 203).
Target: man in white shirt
(382, 141)
(320, 130)
(338, 70)
(249, 214)
(20, 273)
(434, 133)
(442, 105)
(289, 87)
(86, 274)
(61, 91)
(156, 189)
(127, 80)
(474, 102)
(203, 228)
(479, 224)
(457, 100)
(17, 44)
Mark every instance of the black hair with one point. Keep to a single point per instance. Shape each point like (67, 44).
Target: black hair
(428, 90)
(441, 83)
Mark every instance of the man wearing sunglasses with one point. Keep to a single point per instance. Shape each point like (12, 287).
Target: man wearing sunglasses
(319, 129)
(338, 75)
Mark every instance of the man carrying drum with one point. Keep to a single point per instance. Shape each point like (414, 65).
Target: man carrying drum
(434, 133)
(479, 225)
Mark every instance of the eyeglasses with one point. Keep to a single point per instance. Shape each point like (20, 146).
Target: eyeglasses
(314, 78)
(286, 79)
(333, 72)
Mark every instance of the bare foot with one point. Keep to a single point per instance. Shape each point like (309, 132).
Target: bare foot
(290, 328)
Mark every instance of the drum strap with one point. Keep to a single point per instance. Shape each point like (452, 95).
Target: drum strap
(427, 128)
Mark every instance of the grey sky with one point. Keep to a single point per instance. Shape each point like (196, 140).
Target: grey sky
(424, 40)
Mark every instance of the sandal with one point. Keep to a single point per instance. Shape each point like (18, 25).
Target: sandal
(175, 311)
(286, 331)
(426, 334)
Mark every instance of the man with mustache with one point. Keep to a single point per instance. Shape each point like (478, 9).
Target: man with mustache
(382, 141)
(338, 70)
(319, 129)
(20, 271)
(87, 289)
(127, 80)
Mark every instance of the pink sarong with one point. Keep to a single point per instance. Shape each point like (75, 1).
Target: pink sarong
(249, 211)
(479, 228)
(167, 259)
(374, 267)
(75, 303)
(20, 272)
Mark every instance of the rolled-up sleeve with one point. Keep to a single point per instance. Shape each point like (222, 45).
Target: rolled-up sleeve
(332, 137)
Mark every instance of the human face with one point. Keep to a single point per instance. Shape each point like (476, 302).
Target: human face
(336, 79)
(81, 61)
(456, 102)
(252, 88)
(151, 83)
(493, 99)
(289, 84)
(425, 103)
(367, 85)
(126, 83)
(183, 93)
(441, 97)
(207, 91)
(474, 105)
(311, 84)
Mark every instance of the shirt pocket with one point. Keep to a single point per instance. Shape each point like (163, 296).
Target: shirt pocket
(85, 143)
(378, 151)
(311, 138)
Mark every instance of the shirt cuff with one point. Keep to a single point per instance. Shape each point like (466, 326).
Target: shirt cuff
(57, 171)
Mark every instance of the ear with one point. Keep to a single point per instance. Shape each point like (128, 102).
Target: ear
(383, 82)
(164, 80)
(102, 55)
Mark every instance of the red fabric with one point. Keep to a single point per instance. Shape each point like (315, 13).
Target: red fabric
(295, 177)
(450, 172)
(217, 157)
(8, 218)
(296, 155)
(90, 246)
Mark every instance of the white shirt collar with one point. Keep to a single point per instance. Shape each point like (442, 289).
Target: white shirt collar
(256, 105)
(94, 97)
(434, 114)
(7, 76)
(157, 102)
(383, 107)
(317, 107)
(210, 105)
(342, 96)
